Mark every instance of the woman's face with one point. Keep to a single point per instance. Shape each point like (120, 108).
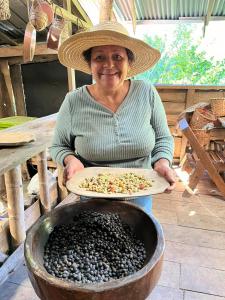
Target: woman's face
(109, 66)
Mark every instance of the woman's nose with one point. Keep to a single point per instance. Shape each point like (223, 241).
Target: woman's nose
(109, 63)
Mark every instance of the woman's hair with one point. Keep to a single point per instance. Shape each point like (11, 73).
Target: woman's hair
(87, 55)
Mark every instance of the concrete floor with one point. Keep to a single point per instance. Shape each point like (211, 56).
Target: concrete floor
(194, 260)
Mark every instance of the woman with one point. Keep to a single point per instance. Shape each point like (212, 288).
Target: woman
(116, 121)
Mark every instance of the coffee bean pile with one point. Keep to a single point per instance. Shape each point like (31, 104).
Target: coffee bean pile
(94, 248)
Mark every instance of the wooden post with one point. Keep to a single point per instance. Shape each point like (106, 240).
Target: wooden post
(106, 11)
(6, 73)
(43, 181)
(70, 72)
(184, 142)
(14, 190)
(17, 82)
(63, 192)
(189, 102)
(196, 175)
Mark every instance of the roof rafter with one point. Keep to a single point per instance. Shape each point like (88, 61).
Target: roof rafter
(211, 4)
(40, 49)
(82, 12)
(70, 17)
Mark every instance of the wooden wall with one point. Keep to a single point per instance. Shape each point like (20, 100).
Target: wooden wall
(177, 98)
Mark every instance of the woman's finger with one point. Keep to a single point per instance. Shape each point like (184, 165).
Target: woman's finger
(171, 178)
(171, 187)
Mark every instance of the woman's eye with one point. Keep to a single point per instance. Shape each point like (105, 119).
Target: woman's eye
(99, 58)
(118, 57)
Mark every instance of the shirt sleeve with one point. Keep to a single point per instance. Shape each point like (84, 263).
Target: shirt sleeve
(164, 142)
(63, 141)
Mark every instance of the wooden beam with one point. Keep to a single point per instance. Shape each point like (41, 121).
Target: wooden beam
(18, 60)
(68, 16)
(5, 106)
(133, 14)
(208, 15)
(17, 83)
(185, 87)
(196, 175)
(106, 11)
(63, 192)
(67, 6)
(189, 102)
(41, 49)
(50, 163)
(43, 181)
(32, 214)
(14, 190)
(82, 12)
(6, 73)
(209, 11)
(70, 72)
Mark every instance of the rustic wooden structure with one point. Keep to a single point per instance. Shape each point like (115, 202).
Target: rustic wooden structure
(10, 161)
(176, 98)
(213, 160)
(11, 85)
(137, 286)
(12, 102)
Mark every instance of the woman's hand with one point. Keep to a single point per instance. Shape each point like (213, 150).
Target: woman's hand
(72, 165)
(162, 167)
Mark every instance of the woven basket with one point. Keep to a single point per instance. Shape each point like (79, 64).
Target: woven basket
(4, 10)
(202, 136)
(200, 118)
(218, 106)
(39, 20)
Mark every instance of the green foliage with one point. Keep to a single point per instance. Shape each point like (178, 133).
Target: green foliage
(182, 62)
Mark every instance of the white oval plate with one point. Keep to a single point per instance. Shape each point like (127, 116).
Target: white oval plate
(159, 184)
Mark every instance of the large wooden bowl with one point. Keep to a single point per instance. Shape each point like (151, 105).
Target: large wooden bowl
(134, 287)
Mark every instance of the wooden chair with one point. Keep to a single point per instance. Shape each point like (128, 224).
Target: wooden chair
(211, 159)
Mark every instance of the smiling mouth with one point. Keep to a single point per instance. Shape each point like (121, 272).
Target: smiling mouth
(109, 74)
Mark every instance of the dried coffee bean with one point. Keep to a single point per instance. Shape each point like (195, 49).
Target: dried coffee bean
(96, 247)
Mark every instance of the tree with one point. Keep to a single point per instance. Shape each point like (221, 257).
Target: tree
(182, 62)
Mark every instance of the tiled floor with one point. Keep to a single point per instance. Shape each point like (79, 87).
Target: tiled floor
(194, 260)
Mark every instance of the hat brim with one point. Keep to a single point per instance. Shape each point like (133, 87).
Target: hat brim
(71, 51)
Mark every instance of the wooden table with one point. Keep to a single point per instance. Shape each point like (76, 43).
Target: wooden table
(10, 160)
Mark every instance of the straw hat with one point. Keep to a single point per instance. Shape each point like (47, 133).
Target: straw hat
(108, 33)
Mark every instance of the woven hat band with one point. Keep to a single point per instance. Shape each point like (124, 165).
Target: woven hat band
(112, 26)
